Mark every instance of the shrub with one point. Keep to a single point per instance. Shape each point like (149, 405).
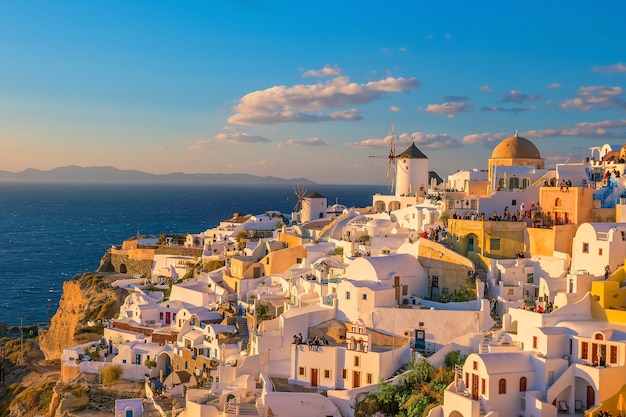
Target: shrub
(44, 399)
(110, 374)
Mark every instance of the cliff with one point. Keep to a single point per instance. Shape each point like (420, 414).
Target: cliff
(86, 298)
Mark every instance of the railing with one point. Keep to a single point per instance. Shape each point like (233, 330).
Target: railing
(329, 300)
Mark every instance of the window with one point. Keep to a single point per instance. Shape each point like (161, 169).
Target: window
(510, 291)
(326, 373)
(344, 373)
(494, 244)
(301, 370)
(557, 202)
(347, 295)
(530, 278)
(161, 315)
(584, 350)
(420, 323)
(613, 354)
(585, 247)
(298, 260)
(600, 252)
(365, 296)
(475, 366)
(369, 378)
(435, 281)
(405, 289)
(534, 342)
(137, 359)
(599, 336)
(522, 384)
(502, 386)
(483, 386)
(514, 202)
(357, 361)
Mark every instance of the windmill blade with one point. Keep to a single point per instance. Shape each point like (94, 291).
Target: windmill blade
(300, 193)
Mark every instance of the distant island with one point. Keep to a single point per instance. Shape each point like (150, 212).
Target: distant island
(111, 175)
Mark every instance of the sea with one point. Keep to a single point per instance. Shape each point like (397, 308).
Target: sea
(52, 232)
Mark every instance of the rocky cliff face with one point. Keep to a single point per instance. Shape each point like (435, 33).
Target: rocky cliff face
(85, 298)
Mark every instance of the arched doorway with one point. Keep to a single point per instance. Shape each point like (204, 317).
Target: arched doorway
(123, 269)
(471, 243)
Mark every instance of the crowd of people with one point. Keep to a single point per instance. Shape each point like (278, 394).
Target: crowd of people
(313, 342)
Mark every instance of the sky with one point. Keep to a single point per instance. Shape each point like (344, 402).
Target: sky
(305, 88)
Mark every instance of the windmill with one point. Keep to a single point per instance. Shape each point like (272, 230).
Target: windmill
(300, 193)
(391, 158)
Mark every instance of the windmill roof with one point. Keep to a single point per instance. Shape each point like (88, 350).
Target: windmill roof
(413, 152)
(314, 194)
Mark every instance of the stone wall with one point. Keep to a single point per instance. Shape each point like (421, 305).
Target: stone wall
(123, 264)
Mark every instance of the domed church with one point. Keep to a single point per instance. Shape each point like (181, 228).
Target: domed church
(515, 151)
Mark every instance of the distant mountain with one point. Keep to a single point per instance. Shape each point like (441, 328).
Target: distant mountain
(102, 175)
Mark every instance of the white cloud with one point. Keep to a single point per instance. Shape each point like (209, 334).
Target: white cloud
(610, 69)
(421, 140)
(485, 88)
(514, 110)
(450, 109)
(562, 157)
(606, 129)
(555, 85)
(518, 97)
(482, 138)
(238, 138)
(394, 109)
(304, 103)
(428, 140)
(325, 72)
(601, 97)
(459, 98)
(314, 141)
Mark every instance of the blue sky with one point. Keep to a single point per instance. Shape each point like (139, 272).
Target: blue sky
(305, 89)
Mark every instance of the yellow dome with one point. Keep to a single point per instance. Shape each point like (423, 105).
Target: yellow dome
(515, 147)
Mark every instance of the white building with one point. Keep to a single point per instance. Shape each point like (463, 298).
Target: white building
(597, 245)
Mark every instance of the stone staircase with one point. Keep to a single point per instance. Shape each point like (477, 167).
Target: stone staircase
(245, 409)
(484, 345)
(244, 333)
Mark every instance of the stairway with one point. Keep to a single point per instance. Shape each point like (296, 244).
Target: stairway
(242, 329)
(244, 409)
(484, 345)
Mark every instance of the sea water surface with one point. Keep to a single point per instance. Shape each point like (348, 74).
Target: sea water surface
(51, 232)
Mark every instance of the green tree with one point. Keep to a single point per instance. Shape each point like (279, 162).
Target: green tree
(420, 391)
(110, 374)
